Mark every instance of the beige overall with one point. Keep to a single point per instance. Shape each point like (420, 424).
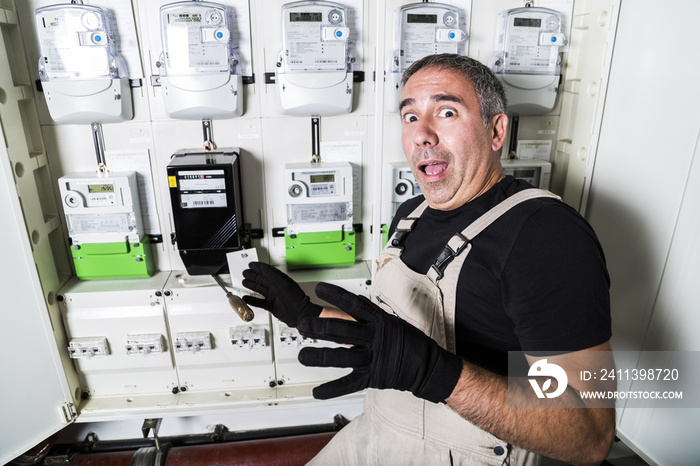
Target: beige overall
(396, 427)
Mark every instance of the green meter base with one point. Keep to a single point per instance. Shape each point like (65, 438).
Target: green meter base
(95, 261)
(320, 249)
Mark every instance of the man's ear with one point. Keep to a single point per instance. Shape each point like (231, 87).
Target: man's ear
(499, 126)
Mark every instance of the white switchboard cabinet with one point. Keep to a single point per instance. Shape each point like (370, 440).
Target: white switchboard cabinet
(120, 346)
(96, 354)
(213, 348)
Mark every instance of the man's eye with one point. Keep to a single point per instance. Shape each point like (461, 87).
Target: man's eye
(410, 117)
(447, 113)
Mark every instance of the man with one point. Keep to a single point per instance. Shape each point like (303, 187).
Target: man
(478, 266)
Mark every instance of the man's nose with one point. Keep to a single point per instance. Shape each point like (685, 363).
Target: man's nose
(425, 134)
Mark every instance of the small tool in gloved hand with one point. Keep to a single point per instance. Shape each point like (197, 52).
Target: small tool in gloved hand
(237, 304)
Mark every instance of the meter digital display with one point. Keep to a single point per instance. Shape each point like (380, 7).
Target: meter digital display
(425, 19)
(322, 178)
(100, 188)
(527, 22)
(306, 17)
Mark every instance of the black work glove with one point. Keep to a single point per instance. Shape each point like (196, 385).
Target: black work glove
(283, 297)
(387, 353)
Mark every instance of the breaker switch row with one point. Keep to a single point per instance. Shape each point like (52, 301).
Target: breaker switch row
(88, 347)
(248, 337)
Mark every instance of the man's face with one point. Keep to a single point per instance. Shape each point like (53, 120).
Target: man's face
(451, 153)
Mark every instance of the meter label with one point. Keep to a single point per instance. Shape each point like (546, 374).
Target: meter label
(304, 48)
(525, 55)
(185, 32)
(100, 224)
(318, 213)
(202, 189)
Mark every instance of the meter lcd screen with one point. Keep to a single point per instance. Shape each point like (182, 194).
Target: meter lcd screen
(100, 188)
(527, 22)
(322, 178)
(426, 19)
(185, 18)
(305, 17)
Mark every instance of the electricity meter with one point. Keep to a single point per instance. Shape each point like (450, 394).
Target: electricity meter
(527, 58)
(205, 194)
(404, 185)
(535, 172)
(103, 216)
(319, 229)
(83, 78)
(420, 29)
(314, 71)
(200, 73)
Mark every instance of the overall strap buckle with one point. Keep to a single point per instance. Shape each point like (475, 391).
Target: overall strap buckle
(403, 228)
(453, 248)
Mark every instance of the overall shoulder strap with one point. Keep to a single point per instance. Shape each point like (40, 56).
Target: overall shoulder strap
(462, 240)
(405, 225)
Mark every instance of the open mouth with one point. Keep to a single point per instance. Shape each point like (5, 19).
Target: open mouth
(433, 168)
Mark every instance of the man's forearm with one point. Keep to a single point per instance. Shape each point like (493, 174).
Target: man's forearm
(575, 435)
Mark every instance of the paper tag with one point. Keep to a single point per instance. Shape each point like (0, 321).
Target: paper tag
(238, 261)
(534, 149)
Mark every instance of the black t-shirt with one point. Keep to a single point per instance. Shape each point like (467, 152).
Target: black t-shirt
(534, 280)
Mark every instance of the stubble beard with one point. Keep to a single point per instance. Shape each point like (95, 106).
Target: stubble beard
(436, 192)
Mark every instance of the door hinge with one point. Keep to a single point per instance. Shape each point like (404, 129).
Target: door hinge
(69, 412)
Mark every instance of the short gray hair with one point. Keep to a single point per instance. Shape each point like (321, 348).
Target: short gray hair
(489, 90)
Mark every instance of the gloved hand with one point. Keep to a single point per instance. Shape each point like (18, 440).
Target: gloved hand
(388, 352)
(283, 297)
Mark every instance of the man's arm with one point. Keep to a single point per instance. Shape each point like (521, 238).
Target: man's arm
(577, 435)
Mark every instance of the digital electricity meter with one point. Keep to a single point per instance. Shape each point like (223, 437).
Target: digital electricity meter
(103, 217)
(404, 185)
(527, 58)
(83, 78)
(536, 172)
(314, 74)
(420, 29)
(319, 229)
(200, 73)
(205, 194)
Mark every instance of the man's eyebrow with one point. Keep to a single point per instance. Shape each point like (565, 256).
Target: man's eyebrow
(446, 97)
(435, 98)
(405, 102)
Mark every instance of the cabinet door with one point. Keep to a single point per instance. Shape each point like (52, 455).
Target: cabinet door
(644, 205)
(36, 400)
